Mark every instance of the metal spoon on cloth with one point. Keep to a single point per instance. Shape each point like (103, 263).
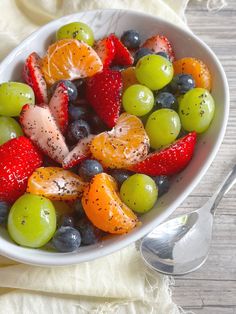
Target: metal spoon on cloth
(181, 245)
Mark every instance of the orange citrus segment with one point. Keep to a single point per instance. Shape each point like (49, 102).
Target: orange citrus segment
(56, 184)
(69, 59)
(128, 77)
(126, 144)
(196, 68)
(104, 208)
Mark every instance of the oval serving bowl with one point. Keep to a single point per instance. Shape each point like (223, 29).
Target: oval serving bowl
(185, 44)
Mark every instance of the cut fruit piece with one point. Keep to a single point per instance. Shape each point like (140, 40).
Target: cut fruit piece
(160, 43)
(9, 129)
(76, 30)
(168, 161)
(197, 69)
(18, 160)
(33, 76)
(80, 152)
(122, 54)
(70, 59)
(13, 96)
(40, 126)
(32, 221)
(58, 106)
(105, 49)
(128, 77)
(56, 184)
(103, 92)
(126, 144)
(104, 207)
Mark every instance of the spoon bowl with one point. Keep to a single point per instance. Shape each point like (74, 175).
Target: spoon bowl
(181, 245)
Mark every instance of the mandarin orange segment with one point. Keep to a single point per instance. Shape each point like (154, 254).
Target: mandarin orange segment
(126, 144)
(196, 68)
(69, 59)
(56, 184)
(128, 77)
(104, 208)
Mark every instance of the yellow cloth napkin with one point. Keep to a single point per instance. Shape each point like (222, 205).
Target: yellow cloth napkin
(119, 283)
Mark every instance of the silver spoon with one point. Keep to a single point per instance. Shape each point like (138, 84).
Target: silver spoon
(181, 245)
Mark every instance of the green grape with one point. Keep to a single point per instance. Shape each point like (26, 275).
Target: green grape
(9, 128)
(138, 100)
(139, 192)
(32, 221)
(76, 30)
(196, 110)
(162, 127)
(13, 96)
(154, 71)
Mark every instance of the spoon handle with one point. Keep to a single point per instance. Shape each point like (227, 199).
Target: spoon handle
(221, 191)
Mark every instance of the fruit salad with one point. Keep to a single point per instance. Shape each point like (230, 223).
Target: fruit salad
(91, 136)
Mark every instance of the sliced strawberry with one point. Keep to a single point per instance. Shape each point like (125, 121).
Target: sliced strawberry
(103, 91)
(33, 76)
(58, 106)
(40, 126)
(122, 54)
(80, 152)
(170, 160)
(18, 160)
(159, 43)
(105, 49)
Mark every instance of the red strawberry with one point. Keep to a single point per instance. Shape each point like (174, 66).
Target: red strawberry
(34, 77)
(122, 54)
(58, 106)
(159, 43)
(80, 152)
(105, 49)
(18, 160)
(170, 160)
(103, 91)
(40, 126)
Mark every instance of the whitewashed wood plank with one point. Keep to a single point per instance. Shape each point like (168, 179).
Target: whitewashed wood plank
(212, 289)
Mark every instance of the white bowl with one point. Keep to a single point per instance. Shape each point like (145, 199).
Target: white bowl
(185, 44)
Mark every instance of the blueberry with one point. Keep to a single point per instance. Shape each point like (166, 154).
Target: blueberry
(97, 125)
(66, 221)
(131, 39)
(89, 233)
(89, 168)
(80, 85)
(77, 130)
(166, 89)
(120, 175)
(163, 54)
(166, 100)
(182, 83)
(79, 210)
(141, 53)
(71, 88)
(4, 209)
(163, 184)
(66, 239)
(76, 113)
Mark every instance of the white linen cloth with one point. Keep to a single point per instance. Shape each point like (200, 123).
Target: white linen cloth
(119, 283)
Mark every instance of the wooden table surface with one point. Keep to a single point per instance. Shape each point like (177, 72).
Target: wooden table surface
(212, 289)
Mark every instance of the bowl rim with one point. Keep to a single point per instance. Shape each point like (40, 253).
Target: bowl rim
(60, 259)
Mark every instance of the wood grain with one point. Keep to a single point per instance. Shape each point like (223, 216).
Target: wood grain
(212, 289)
